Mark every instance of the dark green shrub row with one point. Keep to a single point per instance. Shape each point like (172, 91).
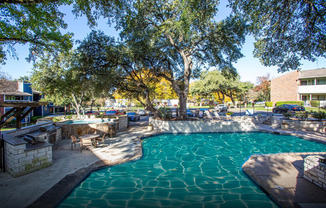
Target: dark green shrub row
(290, 103)
(315, 103)
(318, 115)
(34, 118)
(269, 104)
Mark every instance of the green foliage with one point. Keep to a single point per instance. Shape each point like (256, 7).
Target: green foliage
(34, 118)
(217, 82)
(318, 115)
(164, 113)
(68, 117)
(302, 114)
(63, 79)
(38, 24)
(301, 103)
(286, 31)
(288, 114)
(315, 103)
(269, 104)
(57, 119)
(178, 39)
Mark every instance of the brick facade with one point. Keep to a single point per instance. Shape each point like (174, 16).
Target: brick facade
(285, 88)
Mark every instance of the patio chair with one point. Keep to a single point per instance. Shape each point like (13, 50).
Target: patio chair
(102, 139)
(85, 143)
(74, 141)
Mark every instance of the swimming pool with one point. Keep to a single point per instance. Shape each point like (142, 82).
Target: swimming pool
(195, 170)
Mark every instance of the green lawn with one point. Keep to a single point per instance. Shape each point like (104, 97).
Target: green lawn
(7, 129)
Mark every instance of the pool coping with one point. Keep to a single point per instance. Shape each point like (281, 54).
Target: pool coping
(54, 196)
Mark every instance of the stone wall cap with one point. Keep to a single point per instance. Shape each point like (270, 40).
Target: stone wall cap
(13, 140)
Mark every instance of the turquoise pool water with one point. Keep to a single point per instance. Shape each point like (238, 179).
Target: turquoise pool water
(195, 170)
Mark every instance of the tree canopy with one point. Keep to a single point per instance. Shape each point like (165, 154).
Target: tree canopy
(178, 39)
(224, 85)
(286, 31)
(39, 23)
(63, 81)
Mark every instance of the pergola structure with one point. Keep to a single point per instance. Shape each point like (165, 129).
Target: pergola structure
(19, 110)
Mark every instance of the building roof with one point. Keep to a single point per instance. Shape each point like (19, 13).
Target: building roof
(313, 73)
(16, 93)
(36, 92)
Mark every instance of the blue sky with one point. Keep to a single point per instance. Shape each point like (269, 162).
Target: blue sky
(248, 67)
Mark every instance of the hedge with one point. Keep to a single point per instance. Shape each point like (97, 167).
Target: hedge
(315, 103)
(289, 103)
(269, 104)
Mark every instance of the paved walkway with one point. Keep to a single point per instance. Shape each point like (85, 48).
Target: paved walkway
(281, 175)
(47, 187)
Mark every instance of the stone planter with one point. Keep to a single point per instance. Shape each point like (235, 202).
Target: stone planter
(150, 127)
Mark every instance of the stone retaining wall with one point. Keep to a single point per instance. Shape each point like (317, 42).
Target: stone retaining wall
(243, 124)
(315, 171)
(318, 126)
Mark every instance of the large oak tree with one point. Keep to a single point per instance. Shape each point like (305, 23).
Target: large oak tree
(286, 31)
(182, 38)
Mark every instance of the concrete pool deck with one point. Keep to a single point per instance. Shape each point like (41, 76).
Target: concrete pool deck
(47, 187)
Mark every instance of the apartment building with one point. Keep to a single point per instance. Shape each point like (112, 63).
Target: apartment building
(21, 91)
(305, 85)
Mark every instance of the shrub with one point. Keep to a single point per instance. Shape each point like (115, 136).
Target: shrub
(288, 114)
(269, 104)
(34, 118)
(301, 103)
(57, 119)
(164, 113)
(301, 114)
(69, 117)
(315, 103)
(318, 115)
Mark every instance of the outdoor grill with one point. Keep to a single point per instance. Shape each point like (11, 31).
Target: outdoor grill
(51, 131)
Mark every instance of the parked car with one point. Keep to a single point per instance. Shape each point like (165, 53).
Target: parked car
(221, 108)
(189, 113)
(133, 116)
(142, 113)
(113, 112)
(286, 107)
(91, 113)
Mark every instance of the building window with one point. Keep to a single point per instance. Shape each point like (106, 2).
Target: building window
(321, 97)
(321, 81)
(307, 82)
(314, 97)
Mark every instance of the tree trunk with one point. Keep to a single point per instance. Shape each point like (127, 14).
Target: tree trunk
(183, 106)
